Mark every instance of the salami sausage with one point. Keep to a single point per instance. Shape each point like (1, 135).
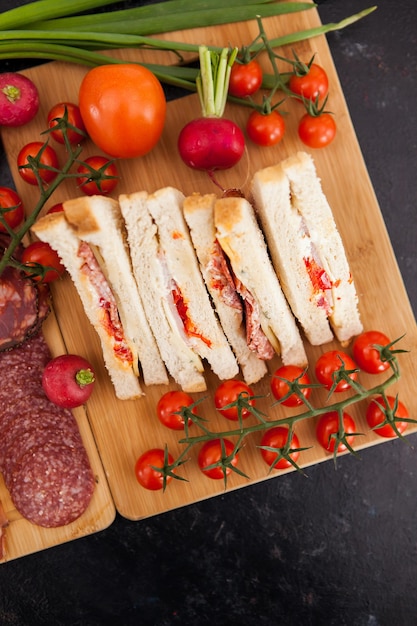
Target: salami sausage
(24, 305)
(42, 457)
(23, 308)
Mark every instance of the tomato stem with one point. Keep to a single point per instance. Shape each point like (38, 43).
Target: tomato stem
(240, 433)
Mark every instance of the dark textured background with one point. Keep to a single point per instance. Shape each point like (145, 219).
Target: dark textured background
(338, 548)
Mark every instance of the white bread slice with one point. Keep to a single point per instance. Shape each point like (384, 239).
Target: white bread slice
(98, 221)
(310, 201)
(55, 230)
(184, 365)
(199, 214)
(290, 246)
(209, 341)
(242, 240)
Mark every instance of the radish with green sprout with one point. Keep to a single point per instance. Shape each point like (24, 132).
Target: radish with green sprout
(212, 142)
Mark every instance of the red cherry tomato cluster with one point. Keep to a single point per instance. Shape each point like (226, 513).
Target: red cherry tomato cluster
(266, 125)
(291, 386)
(370, 354)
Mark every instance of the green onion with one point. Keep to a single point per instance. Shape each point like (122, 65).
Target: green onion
(77, 45)
(47, 9)
(191, 18)
(154, 16)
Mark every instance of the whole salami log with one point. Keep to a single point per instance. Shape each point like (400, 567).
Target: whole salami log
(42, 457)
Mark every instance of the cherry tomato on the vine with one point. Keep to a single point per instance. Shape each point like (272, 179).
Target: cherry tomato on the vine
(328, 425)
(47, 159)
(146, 475)
(328, 363)
(73, 118)
(211, 453)
(41, 253)
(277, 437)
(168, 406)
(265, 129)
(245, 79)
(11, 209)
(56, 208)
(228, 392)
(280, 387)
(375, 416)
(123, 108)
(317, 131)
(97, 175)
(366, 356)
(310, 85)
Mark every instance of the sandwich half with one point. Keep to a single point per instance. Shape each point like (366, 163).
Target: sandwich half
(271, 327)
(306, 249)
(187, 295)
(154, 285)
(98, 262)
(199, 215)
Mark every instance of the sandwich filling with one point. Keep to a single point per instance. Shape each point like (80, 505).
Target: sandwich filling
(234, 294)
(177, 311)
(321, 281)
(105, 300)
(182, 308)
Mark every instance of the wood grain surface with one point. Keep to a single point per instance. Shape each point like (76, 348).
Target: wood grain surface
(122, 430)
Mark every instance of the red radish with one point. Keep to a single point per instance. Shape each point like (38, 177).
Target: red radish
(212, 142)
(19, 99)
(68, 380)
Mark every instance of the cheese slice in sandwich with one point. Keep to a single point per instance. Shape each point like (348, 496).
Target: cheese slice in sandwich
(199, 214)
(98, 300)
(154, 284)
(271, 326)
(307, 249)
(187, 291)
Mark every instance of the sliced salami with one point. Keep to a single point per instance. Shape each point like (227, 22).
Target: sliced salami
(53, 485)
(42, 457)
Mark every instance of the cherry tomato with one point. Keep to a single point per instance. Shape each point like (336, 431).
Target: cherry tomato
(277, 438)
(280, 388)
(11, 209)
(328, 363)
(228, 392)
(265, 129)
(145, 473)
(167, 408)
(366, 356)
(211, 452)
(375, 416)
(311, 85)
(47, 159)
(41, 253)
(73, 118)
(328, 425)
(123, 108)
(56, 208)
(68, 380)
(245, 79)
(317, 131)
(98, 175)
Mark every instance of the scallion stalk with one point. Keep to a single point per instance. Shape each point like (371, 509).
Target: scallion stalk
(47, 9)
(159, 11)
(194, 18)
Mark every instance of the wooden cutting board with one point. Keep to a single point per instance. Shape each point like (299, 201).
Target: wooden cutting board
(122, 430)
(23, 537)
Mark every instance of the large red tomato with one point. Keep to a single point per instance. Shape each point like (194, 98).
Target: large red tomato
(123, 107)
